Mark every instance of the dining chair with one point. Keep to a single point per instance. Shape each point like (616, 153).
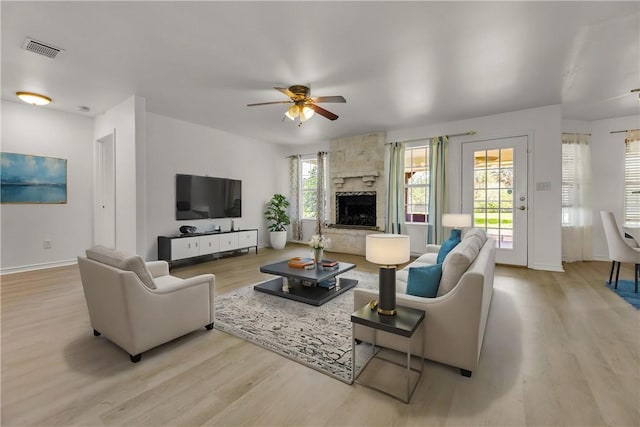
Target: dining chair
(619, 250)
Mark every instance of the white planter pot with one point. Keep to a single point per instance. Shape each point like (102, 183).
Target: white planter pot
(278, 239)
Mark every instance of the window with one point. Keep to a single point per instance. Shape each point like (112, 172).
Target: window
(308, 185)
(576, 180)
(416, 184)
(632, 177)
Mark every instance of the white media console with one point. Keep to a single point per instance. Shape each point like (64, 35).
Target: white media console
(185, 246)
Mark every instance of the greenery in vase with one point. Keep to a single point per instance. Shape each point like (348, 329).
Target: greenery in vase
(276, 213)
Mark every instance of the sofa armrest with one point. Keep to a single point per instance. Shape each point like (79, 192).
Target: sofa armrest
(158, 268)
(178, 285)
(431, 248)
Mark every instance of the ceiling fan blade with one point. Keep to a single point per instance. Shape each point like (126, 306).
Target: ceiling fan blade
(286, 91)
(329, 99)
(328, 114)
(269, 103)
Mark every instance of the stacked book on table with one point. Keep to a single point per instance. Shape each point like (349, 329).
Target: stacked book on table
(298, 262)
(329, 264)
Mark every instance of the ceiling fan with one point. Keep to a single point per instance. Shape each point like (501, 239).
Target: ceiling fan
(303, 106)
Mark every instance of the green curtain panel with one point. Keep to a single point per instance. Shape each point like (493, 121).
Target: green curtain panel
(438, 191)
(395, 192)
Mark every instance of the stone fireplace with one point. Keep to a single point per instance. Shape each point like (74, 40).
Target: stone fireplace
(357, 180)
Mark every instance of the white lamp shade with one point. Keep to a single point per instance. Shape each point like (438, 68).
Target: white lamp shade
(387, 249)
(456, 220)
(307, 112)
(292, 112)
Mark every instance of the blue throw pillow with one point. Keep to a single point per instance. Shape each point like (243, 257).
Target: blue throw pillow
(447, 245)
(424, 281)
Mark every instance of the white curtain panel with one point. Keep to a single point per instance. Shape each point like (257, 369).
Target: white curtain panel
(577, 210)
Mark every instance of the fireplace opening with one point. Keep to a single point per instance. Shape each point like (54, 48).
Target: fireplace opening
(356, 208)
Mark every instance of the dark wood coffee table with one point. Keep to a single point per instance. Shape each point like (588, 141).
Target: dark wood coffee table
(305, 285)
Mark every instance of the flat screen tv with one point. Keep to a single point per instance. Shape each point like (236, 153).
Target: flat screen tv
(201, 197)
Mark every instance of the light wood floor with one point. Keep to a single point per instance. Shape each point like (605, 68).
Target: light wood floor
(559, 349)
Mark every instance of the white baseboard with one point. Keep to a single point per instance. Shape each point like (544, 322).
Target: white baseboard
(545, 267)
(23, 268)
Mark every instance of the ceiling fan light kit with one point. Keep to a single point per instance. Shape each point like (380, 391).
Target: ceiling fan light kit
(304, 107)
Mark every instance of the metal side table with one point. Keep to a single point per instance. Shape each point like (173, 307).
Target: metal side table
(404, 323)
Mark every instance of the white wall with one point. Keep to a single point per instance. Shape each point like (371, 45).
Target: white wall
(175, 146)
(607, 171)
(126, 118)
(607, 175)
(543, 126)
(45, 132)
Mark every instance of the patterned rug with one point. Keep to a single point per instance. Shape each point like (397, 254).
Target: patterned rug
(626, 290)
(318, 337)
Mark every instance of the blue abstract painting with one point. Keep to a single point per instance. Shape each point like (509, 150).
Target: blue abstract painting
(32, 179)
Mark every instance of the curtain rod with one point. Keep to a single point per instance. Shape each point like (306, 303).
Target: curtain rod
(471, 132)
(306, 154)
(622, 131)
(575, 133)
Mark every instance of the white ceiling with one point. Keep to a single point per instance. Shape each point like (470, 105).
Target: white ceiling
(398, 65)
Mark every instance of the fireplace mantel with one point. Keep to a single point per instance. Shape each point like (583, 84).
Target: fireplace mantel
(368, 178)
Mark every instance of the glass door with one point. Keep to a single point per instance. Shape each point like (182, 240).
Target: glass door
(494, 190)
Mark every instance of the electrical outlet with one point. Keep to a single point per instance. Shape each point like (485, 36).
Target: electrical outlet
(47, 244)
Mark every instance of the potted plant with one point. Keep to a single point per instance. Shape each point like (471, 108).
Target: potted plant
(276, 213)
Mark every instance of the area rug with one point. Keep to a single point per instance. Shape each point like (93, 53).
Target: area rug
(318, 337)
(626, 291)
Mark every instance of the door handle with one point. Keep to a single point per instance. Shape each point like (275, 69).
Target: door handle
(522, 208)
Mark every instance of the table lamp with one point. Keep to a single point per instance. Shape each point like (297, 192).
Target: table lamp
(456, 222)
(387, 250)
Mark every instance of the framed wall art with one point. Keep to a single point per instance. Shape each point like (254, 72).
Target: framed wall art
(32, 179)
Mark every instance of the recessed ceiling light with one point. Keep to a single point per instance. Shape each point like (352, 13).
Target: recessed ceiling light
(33, 98)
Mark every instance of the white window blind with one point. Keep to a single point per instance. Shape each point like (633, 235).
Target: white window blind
(632, 177)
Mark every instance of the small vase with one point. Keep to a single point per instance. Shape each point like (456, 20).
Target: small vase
(317, 255)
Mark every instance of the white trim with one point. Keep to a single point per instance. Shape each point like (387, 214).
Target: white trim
(546, 267)
(23, 268)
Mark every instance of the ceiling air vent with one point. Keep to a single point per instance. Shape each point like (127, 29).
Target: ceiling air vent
(41, 48)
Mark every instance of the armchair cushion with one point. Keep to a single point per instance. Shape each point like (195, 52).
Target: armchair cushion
(123, 261)
(424, 281)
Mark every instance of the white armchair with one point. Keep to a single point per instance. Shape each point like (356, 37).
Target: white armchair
(138, 305)
(619, 250)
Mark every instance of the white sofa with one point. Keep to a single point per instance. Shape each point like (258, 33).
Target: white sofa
(455, 319)
(138, 305)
